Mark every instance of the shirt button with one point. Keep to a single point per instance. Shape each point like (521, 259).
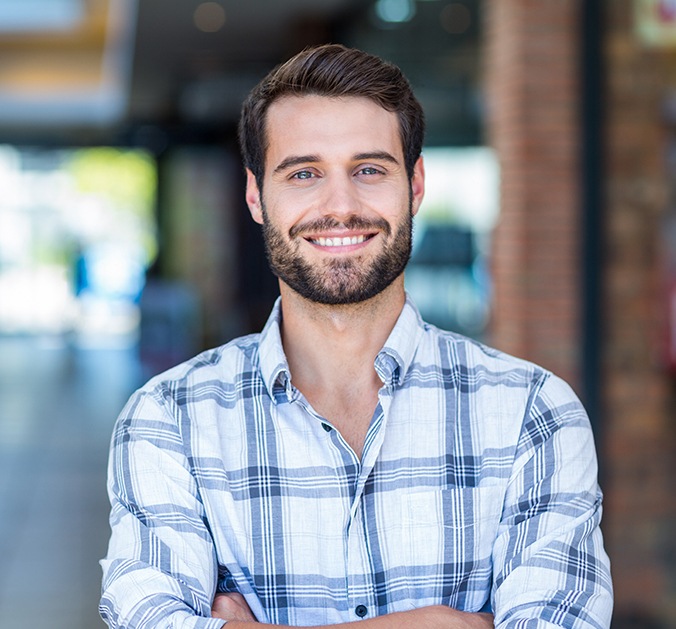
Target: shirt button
(361, 610)
(326, 427)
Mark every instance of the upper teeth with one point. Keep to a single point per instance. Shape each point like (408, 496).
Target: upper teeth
(338, 242)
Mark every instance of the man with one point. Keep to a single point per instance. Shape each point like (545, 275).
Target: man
(350, 462)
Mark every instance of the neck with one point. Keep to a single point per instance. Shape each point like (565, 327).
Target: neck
(334, 346)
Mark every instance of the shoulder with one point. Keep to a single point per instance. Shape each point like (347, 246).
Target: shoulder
(223, 363)
(213, 376)
(179, 410)
(457, 353)
(513, 396)
(476, 368)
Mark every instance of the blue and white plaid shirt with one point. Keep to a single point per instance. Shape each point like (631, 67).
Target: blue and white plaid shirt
(476, 489)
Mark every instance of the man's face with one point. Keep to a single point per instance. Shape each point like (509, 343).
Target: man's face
(337, 204)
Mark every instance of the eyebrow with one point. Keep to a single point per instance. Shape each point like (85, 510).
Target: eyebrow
(379, 155)
(297, 160)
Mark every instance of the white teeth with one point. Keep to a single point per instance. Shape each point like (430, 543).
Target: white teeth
(338, 242)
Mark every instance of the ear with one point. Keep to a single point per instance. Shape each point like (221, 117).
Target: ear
(417, 185)
(253, 197)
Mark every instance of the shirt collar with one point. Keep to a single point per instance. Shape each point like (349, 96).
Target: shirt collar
(391, 364)
(273, 364)
(394, 360)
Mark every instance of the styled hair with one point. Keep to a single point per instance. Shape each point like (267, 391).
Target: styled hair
(331, 70)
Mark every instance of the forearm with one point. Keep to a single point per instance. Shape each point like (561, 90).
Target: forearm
(436, 617)
(161, 565)
(549, 530)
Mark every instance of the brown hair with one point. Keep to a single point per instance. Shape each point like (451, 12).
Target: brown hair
(331, 70)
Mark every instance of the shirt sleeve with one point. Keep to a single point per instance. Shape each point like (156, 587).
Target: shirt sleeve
(161, 567)
(550, 567)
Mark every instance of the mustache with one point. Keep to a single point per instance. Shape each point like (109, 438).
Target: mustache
(352, 222)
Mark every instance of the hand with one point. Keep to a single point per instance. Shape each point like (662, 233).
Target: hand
(231, 606)
(442, 616)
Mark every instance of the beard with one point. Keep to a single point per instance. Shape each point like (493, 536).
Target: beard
(342, 281)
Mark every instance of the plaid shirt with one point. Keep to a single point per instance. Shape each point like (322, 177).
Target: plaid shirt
(476, 489)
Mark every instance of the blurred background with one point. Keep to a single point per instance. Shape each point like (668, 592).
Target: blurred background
(548, 230)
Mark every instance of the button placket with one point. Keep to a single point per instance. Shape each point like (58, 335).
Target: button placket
(359, 592)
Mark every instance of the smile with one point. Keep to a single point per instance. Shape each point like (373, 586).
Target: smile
(339, 242)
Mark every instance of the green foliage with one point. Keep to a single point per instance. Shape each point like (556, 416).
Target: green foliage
(126, 178)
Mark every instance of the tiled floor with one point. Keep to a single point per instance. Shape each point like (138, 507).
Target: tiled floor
(57, 408)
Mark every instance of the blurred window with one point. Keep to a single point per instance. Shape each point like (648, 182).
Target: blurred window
(77, 232)
(447, 276)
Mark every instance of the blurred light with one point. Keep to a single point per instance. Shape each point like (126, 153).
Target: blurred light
(461, 187)
(395, 11)
(455, 18)
(35, 300)
(209, 17)
(80, 77)
(76, 234)
(40, 15)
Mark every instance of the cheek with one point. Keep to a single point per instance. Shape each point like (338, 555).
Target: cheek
(294, 216)
(279, 220)
(395, 205)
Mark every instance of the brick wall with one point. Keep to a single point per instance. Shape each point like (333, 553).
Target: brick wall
(531, 81)
(533, 90)
(639, 449)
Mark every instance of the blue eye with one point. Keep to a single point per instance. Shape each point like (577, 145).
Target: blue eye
(303, 174)
(369, 170)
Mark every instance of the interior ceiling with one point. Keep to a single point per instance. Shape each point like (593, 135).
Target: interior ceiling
(156, 59)
(64, 71)
(177, 66)
(128, 71)
(203, 75)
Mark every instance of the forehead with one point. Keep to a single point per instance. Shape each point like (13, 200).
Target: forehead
(317, 124)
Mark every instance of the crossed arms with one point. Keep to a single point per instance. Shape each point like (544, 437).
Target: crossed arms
(234, 609)
(548, 563)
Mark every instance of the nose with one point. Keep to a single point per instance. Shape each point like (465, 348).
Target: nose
(341, 197)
